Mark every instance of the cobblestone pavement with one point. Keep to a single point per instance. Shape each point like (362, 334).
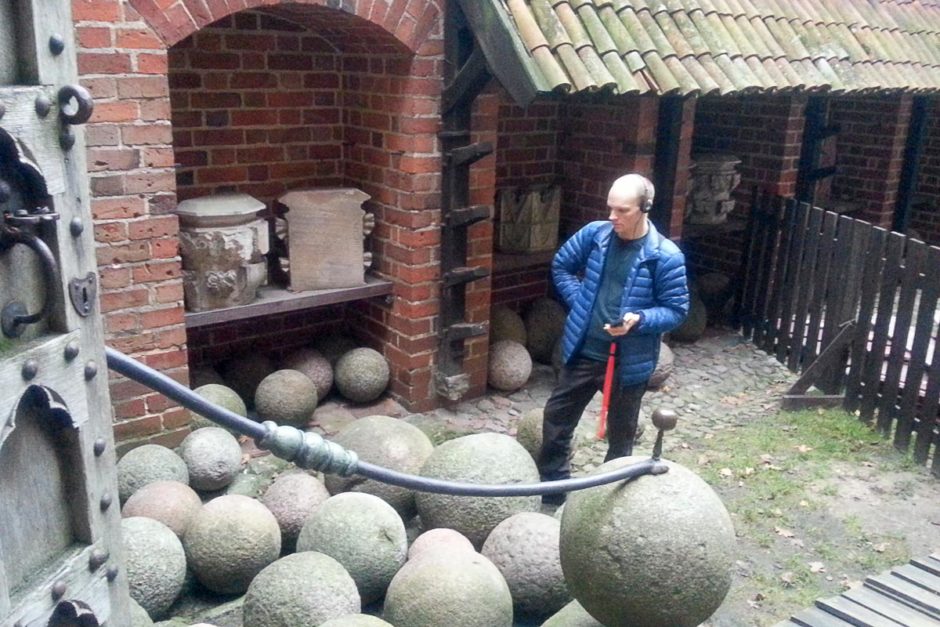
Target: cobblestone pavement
(718, 382)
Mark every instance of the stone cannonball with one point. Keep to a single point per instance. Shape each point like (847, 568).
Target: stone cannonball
(356, 620)
(664, 366)
(300, 590)
(154, 562)
(529, 431)
(362, 375)
(491, 458)
(245, 372)
(544, 323)
(213, 458)
(333, 346)
(572, 615)
(459, 590)
(229, 541)
(146, 464)
(292, 498)
(694, 326)
(436, 541)
(654, 551)
(287, 397)
(506, 324)
(509, 367)
(524, 548)
(203, 375)
(387, 442)
(313, 364)
(364, 534)
(170, 502)
(220, 395)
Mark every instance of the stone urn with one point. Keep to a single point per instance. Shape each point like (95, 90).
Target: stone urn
(714, 178)
(223, 243)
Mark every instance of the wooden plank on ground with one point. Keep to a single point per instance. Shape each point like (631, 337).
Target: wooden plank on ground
(804, 289)
(918, 577)
(927, 602)
(813, 617)
(910, 281)
(854, 613)
(929, 564)
(871, 278)
(890, 607)
(826, 284)
(871, 377)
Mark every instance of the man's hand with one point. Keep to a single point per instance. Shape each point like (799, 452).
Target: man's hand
(630, 320)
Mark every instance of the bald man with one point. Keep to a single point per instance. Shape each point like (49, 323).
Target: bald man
(622, 282)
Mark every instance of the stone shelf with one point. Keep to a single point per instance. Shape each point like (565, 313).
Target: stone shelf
(733, 224)
(273, 300)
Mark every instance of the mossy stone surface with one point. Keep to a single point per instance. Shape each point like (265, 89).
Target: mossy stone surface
(287, 397)
(245, 372)
(292, 498)
(139, 616)
(146, 464)
(529, 431)
(544, 323)
(356, 620)
(154, 562)
(364, 534)
(387, 442)
(460, 590)
(170, 502)
(664, 367)
(572, 615)
(300, 590)
(488, 458)
(509, 366)
(313, 364)
(213, 457)
(524, 548)
(694, 326)
(654, 551)
(506, 324)
(229, 541)
(437, 541)
(334, 345)
(362, 375)
(221, 395)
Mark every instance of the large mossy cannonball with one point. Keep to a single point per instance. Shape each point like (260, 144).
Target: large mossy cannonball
(170, 502)
(529, 431)
(213, 457)
(362, 375)
(364, 534)
(292, 498)
(544, 323)
(334, 345)
(245, 372)
(572, 615)
(509, 367)
(664, 367)
(300, 590)
(139, 616)
(458, 590)
(524, 548)
(146, 464)
(490, 458)
(154, 562)
(287, 397)
(221, 395)
(356, 620)
(386, 442)
(438, 541)
(506, 324)
(694, 326)
(313, 364)
(654, 551)
(229, 541)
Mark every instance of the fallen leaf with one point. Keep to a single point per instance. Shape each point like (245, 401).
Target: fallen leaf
(817, 567)
(787, 578)
(766, 459)
(759, 597)
(849, 584)
(881, 547)
(804, 503)
(797, 542)
(703, 460)
(802, 448)
(725, 472)
(709, 436)
(685, 445)
(776, 512)
(786, 533)
(748, 471)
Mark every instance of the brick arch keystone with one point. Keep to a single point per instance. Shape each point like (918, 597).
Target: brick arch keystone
(408, 21)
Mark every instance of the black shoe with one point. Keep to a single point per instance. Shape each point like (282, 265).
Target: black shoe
(554, 499)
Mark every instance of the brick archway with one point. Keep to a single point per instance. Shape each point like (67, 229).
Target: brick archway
(173, 20)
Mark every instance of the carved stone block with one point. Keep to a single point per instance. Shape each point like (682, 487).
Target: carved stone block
(714, 178)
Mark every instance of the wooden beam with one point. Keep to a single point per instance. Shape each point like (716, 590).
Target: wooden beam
(469, 81)
(465, 155)
(465, 216)
(826, 359)
(465, 274)
(464, 330)
(797, 402)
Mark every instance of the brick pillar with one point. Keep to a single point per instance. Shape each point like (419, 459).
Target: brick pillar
(870, 149)
(683, 160)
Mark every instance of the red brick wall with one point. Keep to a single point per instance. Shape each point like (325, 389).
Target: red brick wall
(925, 214)
(870, 153)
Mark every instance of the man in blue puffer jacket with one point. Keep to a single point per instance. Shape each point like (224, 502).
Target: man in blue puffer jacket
(622, 281)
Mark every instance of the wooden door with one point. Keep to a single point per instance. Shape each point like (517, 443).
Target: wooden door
(60, 551)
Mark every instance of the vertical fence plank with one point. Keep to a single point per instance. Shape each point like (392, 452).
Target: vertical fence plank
(786, 213)
(744, 307)
(900, 330)
(926, 340)
(823, 291)
(870, 280)
(804, 287)
(794, 259)
(766, 258)
(886, 298)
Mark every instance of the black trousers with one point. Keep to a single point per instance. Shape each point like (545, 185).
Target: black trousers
(577, 384)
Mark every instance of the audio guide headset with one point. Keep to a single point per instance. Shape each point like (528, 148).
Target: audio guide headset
(649, 192)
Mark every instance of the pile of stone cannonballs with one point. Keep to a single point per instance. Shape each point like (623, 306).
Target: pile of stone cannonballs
(351, 552)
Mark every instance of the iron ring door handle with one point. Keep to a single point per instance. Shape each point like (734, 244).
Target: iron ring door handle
(14, 316)
(86, 104)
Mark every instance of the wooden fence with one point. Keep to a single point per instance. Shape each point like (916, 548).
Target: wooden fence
(852, 307)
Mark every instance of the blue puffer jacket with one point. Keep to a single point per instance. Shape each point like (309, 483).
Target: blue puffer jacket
(656, 289)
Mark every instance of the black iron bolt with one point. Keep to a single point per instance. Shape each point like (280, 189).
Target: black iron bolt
(76, 227)
(71, 350)
(30, 369)
(58, 590)
(56, 44)
(99, 447)
(111, 573)
(91, 370)
(66, 138)
(43, 105)
(97, 559)
(105, 502)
